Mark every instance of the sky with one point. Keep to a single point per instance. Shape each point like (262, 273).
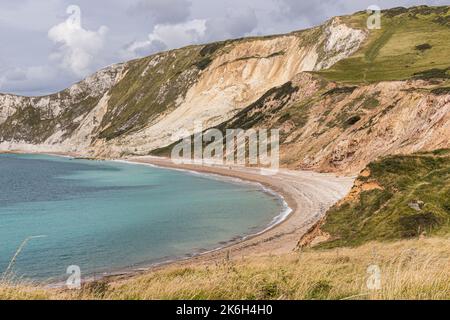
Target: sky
(47, 45)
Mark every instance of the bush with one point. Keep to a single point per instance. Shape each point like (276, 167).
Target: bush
(423, 47)
(203, 64)
(340, 90)
(414, 225)
(441, 91)
(353, 120)
(432, 74)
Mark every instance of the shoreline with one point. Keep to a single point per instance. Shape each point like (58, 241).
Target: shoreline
(279, 238)
(282, 215)
(305, 195)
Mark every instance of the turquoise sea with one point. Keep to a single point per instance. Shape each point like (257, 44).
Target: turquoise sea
(106, 216)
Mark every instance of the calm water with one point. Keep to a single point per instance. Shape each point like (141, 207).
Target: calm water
(107, 216)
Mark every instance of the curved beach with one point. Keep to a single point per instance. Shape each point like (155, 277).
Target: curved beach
(308, 194)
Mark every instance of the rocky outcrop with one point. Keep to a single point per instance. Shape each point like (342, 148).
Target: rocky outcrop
(49, 122)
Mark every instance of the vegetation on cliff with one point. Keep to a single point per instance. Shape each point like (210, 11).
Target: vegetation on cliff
(398, 197)
(412, 43)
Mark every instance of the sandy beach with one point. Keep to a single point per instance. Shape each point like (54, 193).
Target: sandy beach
(308, 194)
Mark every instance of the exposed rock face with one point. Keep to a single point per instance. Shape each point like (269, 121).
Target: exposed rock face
(48, 123)
(138, 107)
(231, 82)
(341, 42)
(335, 128)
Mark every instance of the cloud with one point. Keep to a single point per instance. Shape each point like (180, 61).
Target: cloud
(163, 11)
(168, 36)
(142, 49)
(15, 75)
(178, 35)
(196, 31)
(78, 47)
(316, 12)
(28, 14)
(233, 24)
(312, 12)
(33, 80)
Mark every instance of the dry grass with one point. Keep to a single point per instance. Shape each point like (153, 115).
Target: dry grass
(410, 269)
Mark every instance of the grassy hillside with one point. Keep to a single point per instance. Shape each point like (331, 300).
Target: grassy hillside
(401, 197)
(327, 274)
(412, 43)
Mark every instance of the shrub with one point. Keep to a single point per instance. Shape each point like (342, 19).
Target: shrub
(340, 90)
(441, 91)
(414, 224)
(432, 74)
(353, 120)
(423, 47)
(203, 64)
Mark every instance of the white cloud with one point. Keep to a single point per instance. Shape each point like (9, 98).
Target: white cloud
(78, 47)
(169, 36)
(233, 24)
(181, 34)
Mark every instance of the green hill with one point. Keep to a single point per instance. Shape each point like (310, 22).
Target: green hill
(412, 43)
(411, 198)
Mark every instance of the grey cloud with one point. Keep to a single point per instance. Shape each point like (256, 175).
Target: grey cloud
(34, 80)
(163, 11)
(315, 12)
(312, 12)
(234, 24)
(16, 75)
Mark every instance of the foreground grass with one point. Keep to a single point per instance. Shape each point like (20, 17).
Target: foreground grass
(410, 269)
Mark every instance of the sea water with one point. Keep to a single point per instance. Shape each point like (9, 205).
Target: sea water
(106, 216)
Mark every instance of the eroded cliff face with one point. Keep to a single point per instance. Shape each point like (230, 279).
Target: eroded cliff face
(136, 107)
(331, 127)
(47, 123)
(407, 118)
